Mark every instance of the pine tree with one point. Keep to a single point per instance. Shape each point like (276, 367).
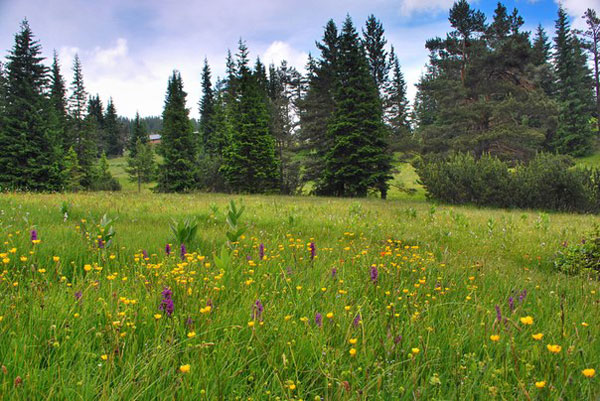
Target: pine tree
(139, 133)
(72, 174)
(141, 165)
(95, 117)
(574, 135)
(112, 129)
(207, 111)
(358, 159)
(591, 43)
(250, 164)
(540, 58)
(58, 99)
(82, 127)
(178, 145)
(27, 157)
(374, 43)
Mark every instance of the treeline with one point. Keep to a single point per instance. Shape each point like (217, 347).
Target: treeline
(53, 138)
(271, 129)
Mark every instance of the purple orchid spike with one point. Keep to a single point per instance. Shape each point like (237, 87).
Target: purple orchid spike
(145, 253)
(168, 249)
(333, 272)
(522, 296)
(257, 310)
(100, 243)
(182, 252)
(356, 320)
(374, 274)
(78, 295)
(167, 304)
(511, 304)
(319, 319)
(261, 252)
(34, 235)
(313, 250)
(498, 314)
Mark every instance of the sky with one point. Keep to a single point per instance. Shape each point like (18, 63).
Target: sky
(129, 48)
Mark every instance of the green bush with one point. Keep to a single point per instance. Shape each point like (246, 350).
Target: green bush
(546, 182)
(580, 258)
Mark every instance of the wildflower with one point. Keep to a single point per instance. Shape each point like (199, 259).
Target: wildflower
(182, 252)
(540, 384)
(34, 236)
(494, 337)
(191, 334)
(374, 274)
(318, 319)
(251, 323)
(356, 320)
(353, 341)
(352, 351)
(292, 386)
(313, 250)
(104, 357)
(157, 316)
(100, 243)
(527, 320)
(145, 253)
(522, 296)
(330, 315)
(511, 304)
(87, 268)
(498, 314)
(261, 252)
(56, 259)
(555, 349)
(184, 368)
(168, 249)
(589, 372)
(166, 305)
(257, 310)
(415, 351)
(206, 309)
(333, 272)
(537, 336)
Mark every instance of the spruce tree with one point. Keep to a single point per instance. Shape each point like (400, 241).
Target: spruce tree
(141, 165)
(250, 164)
(139, 133)
(574, 134)
(374, 43)
(27, 157)
(82, 127)
(591, 43)
(72, 174)
(103, 178)
(540, 58)
(95, 117)
(357, 160)
(396, 105)
(112, 129)
(207, 111)
(178, 145)
(316, 108)
(58, 99)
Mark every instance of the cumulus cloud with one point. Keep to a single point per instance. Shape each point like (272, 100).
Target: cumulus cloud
(576, 9)
(409, 7)
(279, 51)
(111, 56)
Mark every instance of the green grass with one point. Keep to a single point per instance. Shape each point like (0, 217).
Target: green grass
(441, 271)
(589, 161)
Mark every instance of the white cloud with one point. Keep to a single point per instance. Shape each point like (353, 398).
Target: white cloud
(409, 7)
(576, 8)
(112, 55)
(279, 51)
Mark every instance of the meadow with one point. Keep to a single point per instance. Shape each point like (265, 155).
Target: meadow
(320, 299)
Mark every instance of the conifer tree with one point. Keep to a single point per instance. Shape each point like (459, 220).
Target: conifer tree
(141, 165)
(82, 127)
(250, 164)
(591, 43)
(374, 43)
(139, 133)
(357, 160)
(396, 104)
(316, 107)
(58, 99)
(112, 129)
(178, 145)
(574, 134)
(207, 110)
(27, 157)
(72, 174)
(95, 117)
(540, 58)
(103, 179)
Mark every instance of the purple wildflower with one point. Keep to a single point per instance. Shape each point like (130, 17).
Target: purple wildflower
(356, 320)
(100, 243)
(261, 252)
(168, 249)
(319, 319)
(257, 310)
(397, 339)
(522, 296)
(182, 252)
(34, 236)
(498, 314)
(333, 272)
(189, 322)
(78, 295)
(511, 304)
(145, 253)
(313, 250)
(374, 274)
(166, 304)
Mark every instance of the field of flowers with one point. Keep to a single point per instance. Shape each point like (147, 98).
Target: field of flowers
(291, 299)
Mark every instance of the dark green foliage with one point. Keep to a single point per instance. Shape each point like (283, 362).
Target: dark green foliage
(139, 134)
(207, 113)
(176, 174)
(591, 43)
(250, 164)
(374, 43)
(141, 165)
(113, 131)
(72, 174)
(579, 258)
(396, 107)
(543, 71)
(28, 158)
(103, 179)
(58, 100)
(95, 118)
(546, 182)
(483, 92)
(574, 134)
(357, 160)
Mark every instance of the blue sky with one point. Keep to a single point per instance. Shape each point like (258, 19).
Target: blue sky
(128, 48)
